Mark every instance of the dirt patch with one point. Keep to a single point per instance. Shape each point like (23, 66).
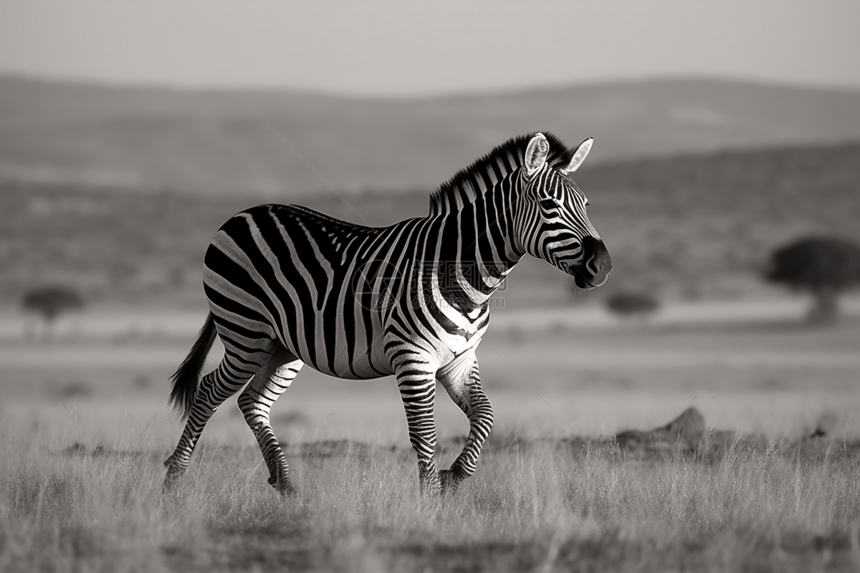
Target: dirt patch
(77, 449)
(334, 449)
(686, 436)
(471, 557)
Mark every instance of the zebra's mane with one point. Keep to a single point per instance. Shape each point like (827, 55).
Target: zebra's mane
(481, 175)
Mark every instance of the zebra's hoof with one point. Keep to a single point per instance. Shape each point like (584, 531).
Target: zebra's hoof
(430, 490)
(450, 482)
(430, 485)
(169, 488)
(285, 487)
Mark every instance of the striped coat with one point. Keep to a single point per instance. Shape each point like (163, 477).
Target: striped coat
(288, 286)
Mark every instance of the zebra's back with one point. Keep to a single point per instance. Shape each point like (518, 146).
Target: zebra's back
(287, 273)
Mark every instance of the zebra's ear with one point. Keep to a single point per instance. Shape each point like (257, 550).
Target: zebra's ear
(536, 152)
(579, 155)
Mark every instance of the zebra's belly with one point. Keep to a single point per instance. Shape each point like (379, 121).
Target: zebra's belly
(361, 366)
(360, 369)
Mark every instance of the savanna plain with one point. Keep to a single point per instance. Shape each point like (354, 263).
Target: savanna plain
(771, 484)
(774, 484)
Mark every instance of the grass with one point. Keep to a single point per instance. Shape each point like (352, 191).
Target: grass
(535, 505)
(81, 452)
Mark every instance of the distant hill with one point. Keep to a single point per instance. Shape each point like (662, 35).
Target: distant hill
(219, 142)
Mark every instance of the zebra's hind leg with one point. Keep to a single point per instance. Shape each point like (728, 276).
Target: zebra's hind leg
(215, 387)
(256, 402)
(468, 394)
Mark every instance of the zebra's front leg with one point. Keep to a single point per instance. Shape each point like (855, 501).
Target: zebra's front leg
(416, 380)
(467, 393)
(256, 402)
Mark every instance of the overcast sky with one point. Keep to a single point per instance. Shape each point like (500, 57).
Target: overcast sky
(406, 47)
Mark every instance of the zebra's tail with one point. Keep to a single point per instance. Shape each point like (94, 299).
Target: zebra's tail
(187, 376)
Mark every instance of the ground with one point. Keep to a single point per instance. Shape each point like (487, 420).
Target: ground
(83, 446)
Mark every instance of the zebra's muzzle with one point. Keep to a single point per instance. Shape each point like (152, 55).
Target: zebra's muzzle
(595, 266)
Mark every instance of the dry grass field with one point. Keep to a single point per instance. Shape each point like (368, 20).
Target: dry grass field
(542, 506)
(82, 446)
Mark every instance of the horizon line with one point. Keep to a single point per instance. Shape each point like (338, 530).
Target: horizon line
(263, 89)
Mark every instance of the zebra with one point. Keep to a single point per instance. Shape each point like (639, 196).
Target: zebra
(288, 286)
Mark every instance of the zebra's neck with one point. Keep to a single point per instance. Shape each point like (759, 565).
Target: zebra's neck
(479, 247)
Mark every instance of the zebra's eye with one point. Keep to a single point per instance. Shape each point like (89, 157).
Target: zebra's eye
(548, 203)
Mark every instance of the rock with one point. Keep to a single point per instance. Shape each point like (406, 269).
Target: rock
(826, 425)
(76, 449)
(689, 428)
(684, 432)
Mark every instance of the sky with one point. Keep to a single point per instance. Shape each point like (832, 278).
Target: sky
(404, 48)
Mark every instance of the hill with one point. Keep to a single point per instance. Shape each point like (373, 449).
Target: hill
(263, 143)
(694, 227)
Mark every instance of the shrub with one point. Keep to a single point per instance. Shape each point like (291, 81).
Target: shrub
(632, 304)
(49, 302)
(824, 266)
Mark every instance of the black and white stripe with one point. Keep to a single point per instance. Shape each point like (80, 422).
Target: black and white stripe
(288, 286)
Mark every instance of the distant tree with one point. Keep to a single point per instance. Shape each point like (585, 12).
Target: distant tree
(49, 302)
(824, 266)
(633, 304)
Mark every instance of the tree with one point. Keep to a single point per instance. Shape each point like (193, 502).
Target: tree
(51, 301)
(632, 304)
(824, 266)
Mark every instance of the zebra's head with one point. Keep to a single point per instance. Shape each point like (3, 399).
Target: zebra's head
(551, 223)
